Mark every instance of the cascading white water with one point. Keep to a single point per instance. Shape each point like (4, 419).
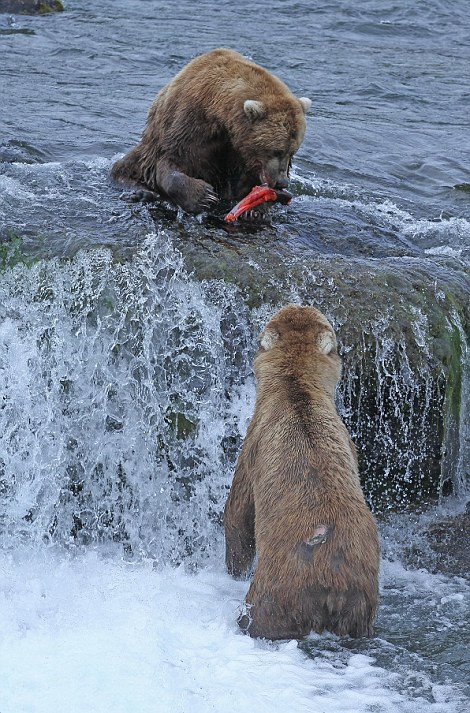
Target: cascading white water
(126, 390)
(115, 412)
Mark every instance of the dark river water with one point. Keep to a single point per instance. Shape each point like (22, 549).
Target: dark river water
(110, 351)
(384, 166)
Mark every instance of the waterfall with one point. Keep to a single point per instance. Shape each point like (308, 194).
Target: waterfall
(126, 388)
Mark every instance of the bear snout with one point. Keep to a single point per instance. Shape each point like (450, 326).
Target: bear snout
(275, 172)
(274, 179)
(282, 182)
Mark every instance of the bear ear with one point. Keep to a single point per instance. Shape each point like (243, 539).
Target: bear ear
(305, 103)
(325, 342)
(268, 339)
(254, 109)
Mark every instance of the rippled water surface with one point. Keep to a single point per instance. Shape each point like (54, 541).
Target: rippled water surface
(125, 382)
(387, 142)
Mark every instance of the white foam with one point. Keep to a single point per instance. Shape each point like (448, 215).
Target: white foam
(385, 212)
(445, 250)
(100, 635)
(449, 229)
(12, 187)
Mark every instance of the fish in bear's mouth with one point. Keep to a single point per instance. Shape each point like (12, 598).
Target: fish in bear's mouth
(257, 196)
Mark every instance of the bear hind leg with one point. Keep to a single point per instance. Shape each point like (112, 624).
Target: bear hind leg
(128, 169)
(274, 616)
(349, 613)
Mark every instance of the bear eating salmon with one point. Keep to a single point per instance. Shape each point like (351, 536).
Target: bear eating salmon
(220, 127)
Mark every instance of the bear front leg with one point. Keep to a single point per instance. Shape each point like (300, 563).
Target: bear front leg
(239, 524)
(193, 195)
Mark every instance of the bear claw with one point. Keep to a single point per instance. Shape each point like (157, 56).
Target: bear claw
(210, 199)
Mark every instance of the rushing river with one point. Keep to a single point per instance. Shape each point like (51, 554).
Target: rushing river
(127, 333)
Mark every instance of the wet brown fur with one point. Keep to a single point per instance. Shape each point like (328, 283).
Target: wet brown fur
(199, 144)
(297, 476)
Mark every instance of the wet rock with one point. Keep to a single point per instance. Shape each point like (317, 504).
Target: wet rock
(442, 547)
(31, 7)
(403, 328)
(449, 540)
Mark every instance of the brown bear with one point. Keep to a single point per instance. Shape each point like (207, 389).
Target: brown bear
(220, 127)
(296, 500)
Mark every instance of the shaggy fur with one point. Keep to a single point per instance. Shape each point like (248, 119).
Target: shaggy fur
(296, 500)
(220, 127)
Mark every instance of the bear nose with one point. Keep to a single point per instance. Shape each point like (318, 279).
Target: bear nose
(282, 182)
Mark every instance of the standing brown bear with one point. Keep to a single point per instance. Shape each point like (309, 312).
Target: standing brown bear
(296, 500)
(220, 127)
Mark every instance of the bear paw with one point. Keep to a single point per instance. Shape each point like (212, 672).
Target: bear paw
(193, 194)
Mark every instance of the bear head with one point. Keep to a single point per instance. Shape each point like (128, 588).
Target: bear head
(269, 137)
(299, 341)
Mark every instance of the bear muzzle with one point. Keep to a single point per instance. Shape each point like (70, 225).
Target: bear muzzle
(275, 174)
(282, 182)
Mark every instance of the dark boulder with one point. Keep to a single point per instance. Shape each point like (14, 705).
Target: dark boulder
(31, 7)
